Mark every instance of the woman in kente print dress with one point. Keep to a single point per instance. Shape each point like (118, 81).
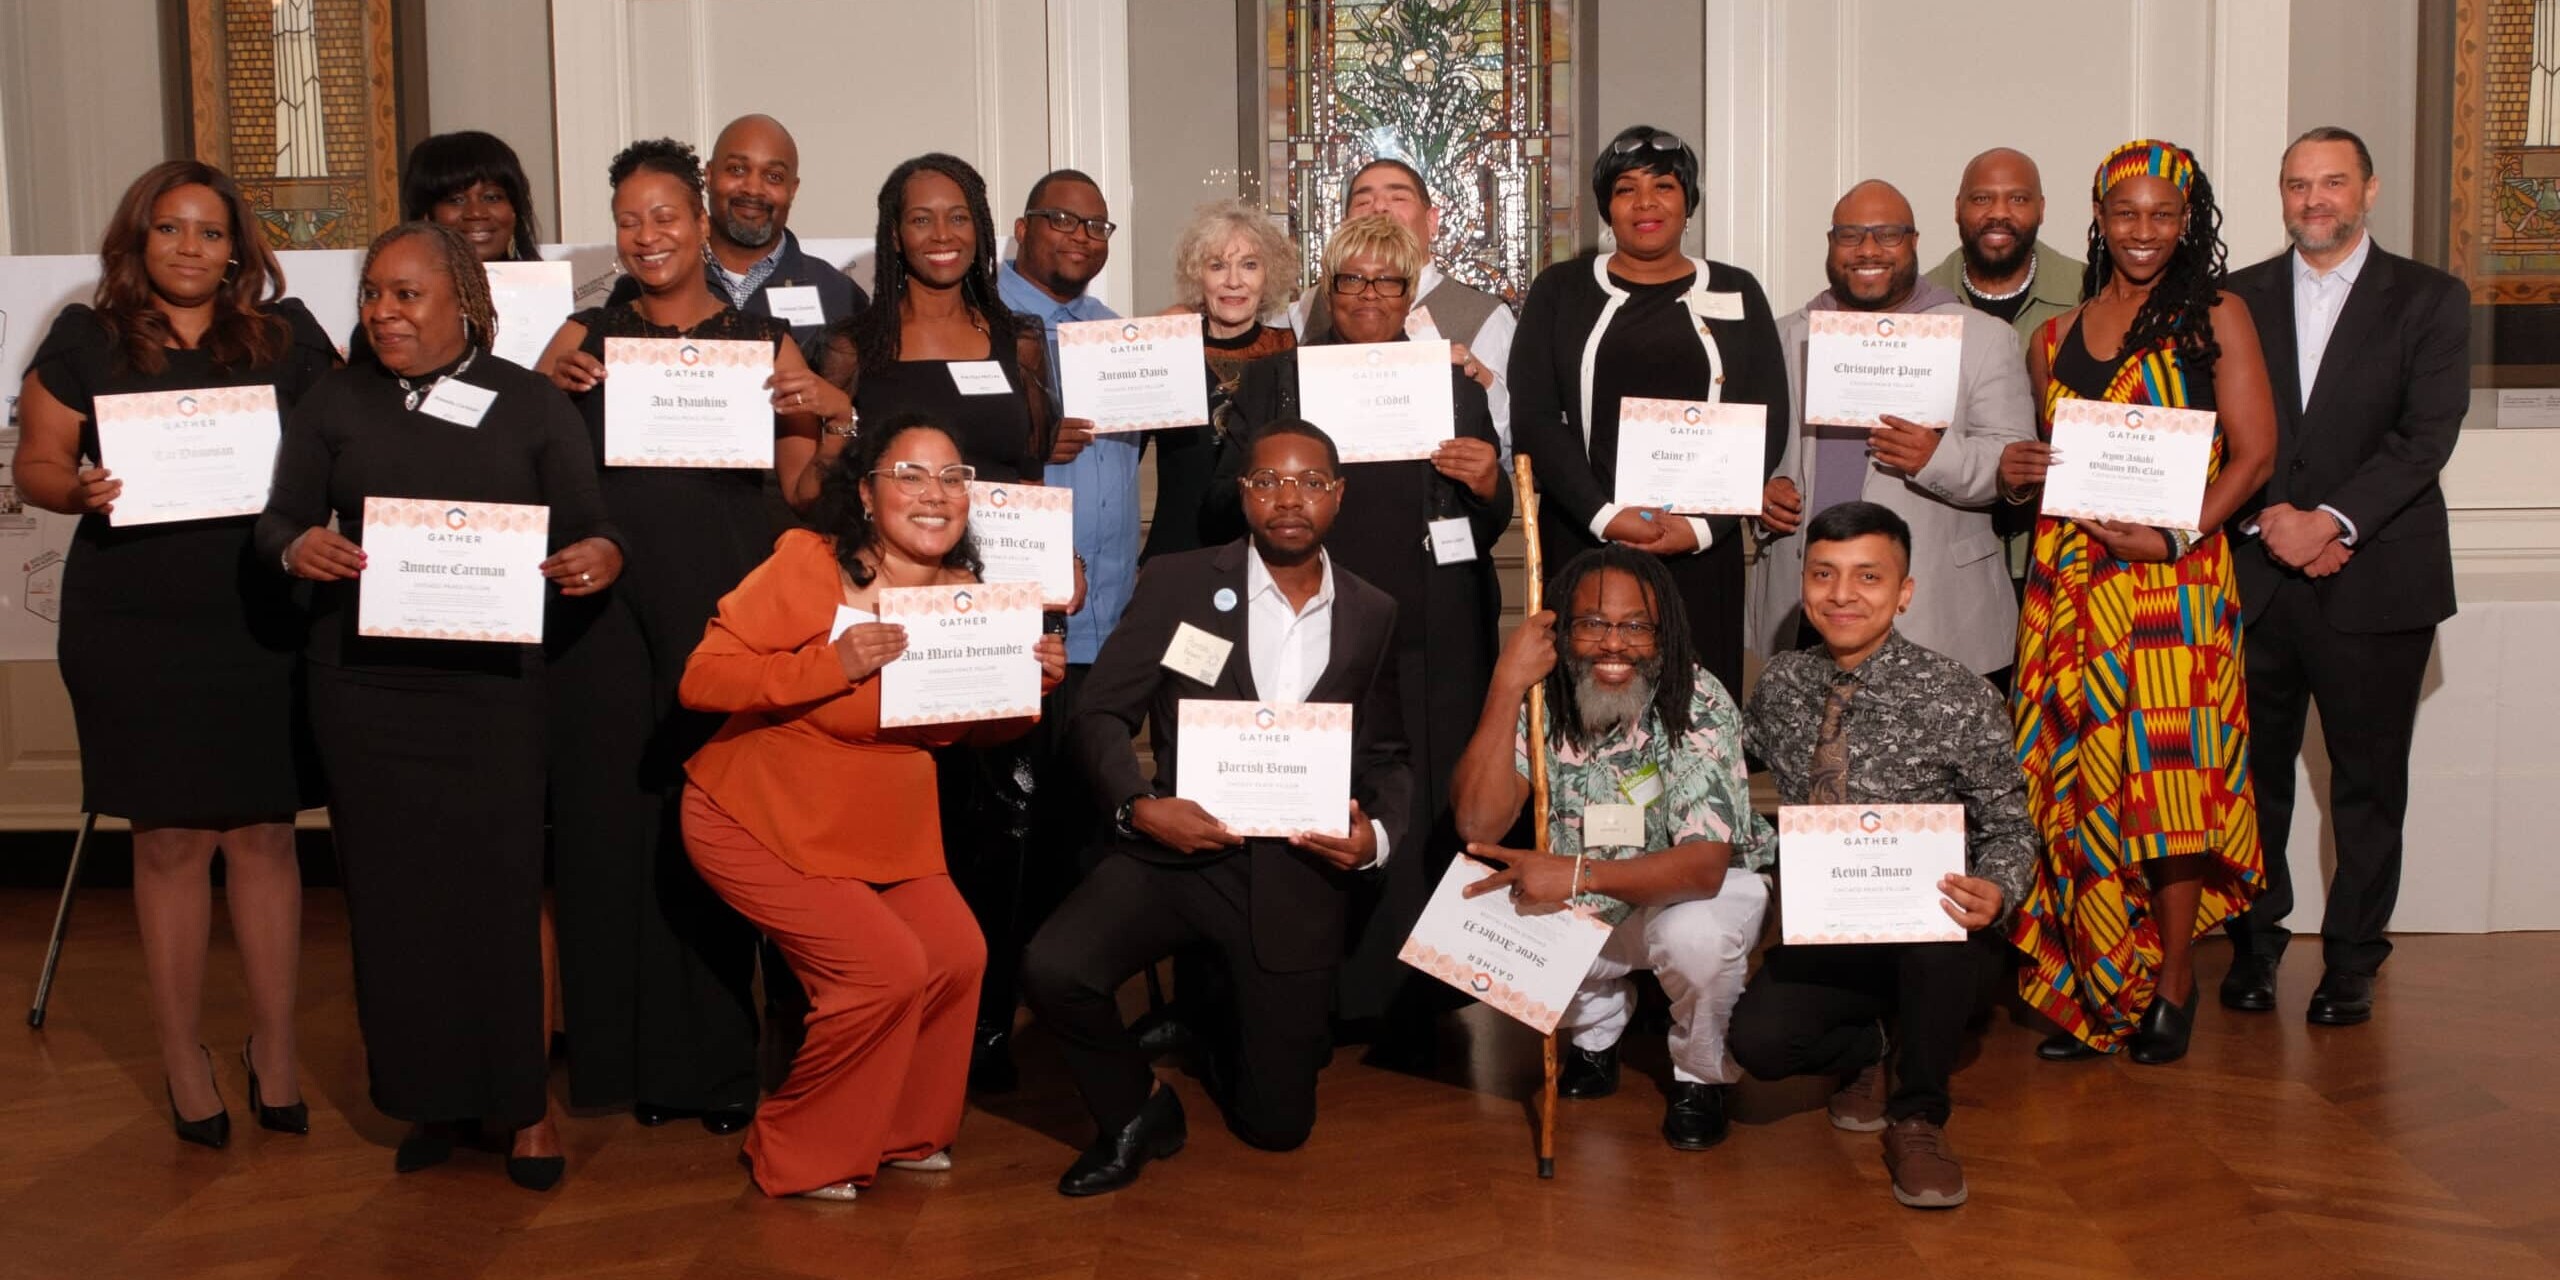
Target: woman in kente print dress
(2132, 723)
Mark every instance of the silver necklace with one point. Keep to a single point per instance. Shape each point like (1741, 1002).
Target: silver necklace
(1966, 274)
(417, 395)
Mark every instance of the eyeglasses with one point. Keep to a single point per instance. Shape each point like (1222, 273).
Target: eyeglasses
(1637, 635)
(1887, 235)
(912, 475)
(1383, 286)
(1265, 484)
(1655, 141)
(1063, 221)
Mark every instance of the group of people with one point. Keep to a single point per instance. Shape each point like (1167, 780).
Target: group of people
(694, 757)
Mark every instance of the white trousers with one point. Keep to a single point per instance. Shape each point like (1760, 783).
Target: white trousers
(1699, 951)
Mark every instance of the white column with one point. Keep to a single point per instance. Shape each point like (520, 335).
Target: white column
(590, 65)
(1089, 117)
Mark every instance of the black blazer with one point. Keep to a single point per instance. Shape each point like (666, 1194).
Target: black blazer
(2394, 383)
(1297, 899)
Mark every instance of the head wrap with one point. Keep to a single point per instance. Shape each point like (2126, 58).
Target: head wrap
(2145, 157)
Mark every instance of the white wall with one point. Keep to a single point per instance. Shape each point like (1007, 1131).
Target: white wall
(489, 68)
(80, 98)
(1182, 134)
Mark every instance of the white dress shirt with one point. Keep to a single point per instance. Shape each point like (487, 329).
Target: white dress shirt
(2318, 297)
(1289, 647)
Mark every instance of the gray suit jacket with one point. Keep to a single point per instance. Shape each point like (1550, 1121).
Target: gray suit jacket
(1963, 606)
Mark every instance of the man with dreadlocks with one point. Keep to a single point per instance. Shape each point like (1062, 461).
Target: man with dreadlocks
(2132, 720)
(1650, 821)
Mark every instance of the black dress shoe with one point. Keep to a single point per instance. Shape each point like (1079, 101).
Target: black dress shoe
(2342, 999)
(1161, 1033)
(2161, 1037)
(294, 1118)
(210, 1131)
(1112, 1162)
(991, 1068)
(2250, 987)
(1583, 1073)
(536, 1173)
(426, 1146)
(1694, 1118)
(727, 1120)
(2062, 1046)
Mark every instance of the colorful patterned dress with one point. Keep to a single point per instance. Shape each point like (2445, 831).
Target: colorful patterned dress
(2132, 726)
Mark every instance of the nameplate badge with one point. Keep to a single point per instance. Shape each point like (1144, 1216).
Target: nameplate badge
(980, 378)
(1711, 305)
(1197, 654)
(796, 305)
(458, 402)
(1613, 826)
(1453, 541)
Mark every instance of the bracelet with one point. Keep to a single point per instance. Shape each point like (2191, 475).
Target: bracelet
(1578, 890)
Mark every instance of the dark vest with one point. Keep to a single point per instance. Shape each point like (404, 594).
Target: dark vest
(1458, 311)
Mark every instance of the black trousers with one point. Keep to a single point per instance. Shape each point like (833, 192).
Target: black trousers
(1815, 1011)
(1127, 915)
(2366, 686)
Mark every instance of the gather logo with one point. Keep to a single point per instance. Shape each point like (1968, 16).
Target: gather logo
(186, 406)
(1691, 415)
(1263, 718)
(962, 602)
(689, 355)
(456, 518)
(1129, 333)
(1870, 821)
(997, 498)
(2133, 417)
(1480, 982)
(1884, 326)
(1377, 358)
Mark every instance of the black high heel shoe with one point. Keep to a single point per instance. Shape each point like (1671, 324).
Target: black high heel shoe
(295, 1118)
(2162, 1036)
(212, 1131)
(535, 1173)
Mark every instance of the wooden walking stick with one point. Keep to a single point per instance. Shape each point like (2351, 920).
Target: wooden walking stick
(1526, 486)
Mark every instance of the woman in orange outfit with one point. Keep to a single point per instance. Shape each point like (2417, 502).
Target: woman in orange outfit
(821, 826)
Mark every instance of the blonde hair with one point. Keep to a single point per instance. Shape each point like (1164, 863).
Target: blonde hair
(1212, 227)
(1379, 234)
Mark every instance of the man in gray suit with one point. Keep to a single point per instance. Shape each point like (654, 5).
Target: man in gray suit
(1942, 483)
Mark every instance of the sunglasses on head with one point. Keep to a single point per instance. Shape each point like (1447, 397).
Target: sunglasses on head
(1656, 141)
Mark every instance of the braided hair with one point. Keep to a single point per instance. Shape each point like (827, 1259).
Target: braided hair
(874, 329)
(2180, 304)
(461, 265)
(1678, 683)
(845, 518)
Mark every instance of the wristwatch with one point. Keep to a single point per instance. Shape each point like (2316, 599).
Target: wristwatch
(852, 425)
(1120, 818)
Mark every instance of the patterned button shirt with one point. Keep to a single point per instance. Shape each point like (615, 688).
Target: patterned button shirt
(1922, 730)
(1696, 787)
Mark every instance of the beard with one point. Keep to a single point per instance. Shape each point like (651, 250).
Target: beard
(2020, 248)
(1604, 709)
(752, 235)
(2342, 231)
(1897, 287)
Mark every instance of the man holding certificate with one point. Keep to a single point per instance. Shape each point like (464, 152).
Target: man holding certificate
(1943, 481)
(1650, 821)
(1220, 649)
(1874, 739)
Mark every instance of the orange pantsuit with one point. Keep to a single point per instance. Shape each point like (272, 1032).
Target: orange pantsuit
(821, 827)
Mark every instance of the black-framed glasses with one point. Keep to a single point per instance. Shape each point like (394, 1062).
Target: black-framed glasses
(1383, 286)
(1637, 634)
(1063, 221)
(911, 476)
(1265, 484)
(1655, 141)
(1887, 235)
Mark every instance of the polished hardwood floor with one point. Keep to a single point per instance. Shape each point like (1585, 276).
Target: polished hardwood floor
(2422, 1144)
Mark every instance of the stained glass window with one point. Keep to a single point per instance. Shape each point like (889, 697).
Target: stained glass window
(1475, 94)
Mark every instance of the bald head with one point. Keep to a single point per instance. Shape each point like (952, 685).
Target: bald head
(755, 173)
(1999, 210)
(1875, 251)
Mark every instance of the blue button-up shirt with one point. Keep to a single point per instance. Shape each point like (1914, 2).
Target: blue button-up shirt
(1104, 478)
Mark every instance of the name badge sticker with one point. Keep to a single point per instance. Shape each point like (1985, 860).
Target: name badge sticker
(1197, 654)
(1453, 541)
(1713, 305)
(795, 304)
(979, 378)
(1613, 826)
(1644, 786)
(458, 402)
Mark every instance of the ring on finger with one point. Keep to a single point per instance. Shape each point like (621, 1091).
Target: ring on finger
(586, 579)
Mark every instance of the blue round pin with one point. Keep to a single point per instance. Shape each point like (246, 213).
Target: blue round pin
(1225, 599)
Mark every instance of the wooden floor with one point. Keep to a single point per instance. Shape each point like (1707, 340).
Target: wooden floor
(2422, 1144)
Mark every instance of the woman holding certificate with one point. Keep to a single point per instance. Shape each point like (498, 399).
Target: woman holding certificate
(188, 340)
(848, 877)
(460, 470)
(1422, 529)
(1232, 267)
(2132, 721)
(1647, 321)
(690, 404)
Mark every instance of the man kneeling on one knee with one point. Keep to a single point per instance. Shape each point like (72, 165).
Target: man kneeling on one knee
(1648, 786)
(1869, 718)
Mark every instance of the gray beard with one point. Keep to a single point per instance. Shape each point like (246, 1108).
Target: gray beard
(2347, 232)
(1604, 709)
(751, 237)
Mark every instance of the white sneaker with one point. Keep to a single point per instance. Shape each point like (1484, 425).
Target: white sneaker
(938, 1162)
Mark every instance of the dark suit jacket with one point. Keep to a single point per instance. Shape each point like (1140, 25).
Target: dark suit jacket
(2393, 386)
(1297, 899)
(838, 295)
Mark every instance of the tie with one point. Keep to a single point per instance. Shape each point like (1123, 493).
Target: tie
(1830, 782)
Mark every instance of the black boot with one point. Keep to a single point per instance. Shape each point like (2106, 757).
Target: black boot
(1586, 1073)
(2251, 985)
(2161, 1037)
(1112, 1162)
(1694, 1118)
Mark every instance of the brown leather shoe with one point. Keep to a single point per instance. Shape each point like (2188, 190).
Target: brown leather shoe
(1858, 1105)
(1924, 1175)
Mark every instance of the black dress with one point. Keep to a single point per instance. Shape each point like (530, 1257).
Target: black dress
(1447, 623)
(433, 749)
(182, 652)
(1187, 457)
(995, 432)
(656, 972)
(1652, 348)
